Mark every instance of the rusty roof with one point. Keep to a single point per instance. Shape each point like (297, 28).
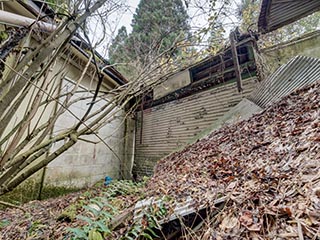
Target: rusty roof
(278, 13)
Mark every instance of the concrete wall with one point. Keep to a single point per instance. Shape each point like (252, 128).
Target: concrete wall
(86, 162)
(175, 82)
(306, 45)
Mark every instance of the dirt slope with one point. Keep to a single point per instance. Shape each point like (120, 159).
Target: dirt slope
(268, 167)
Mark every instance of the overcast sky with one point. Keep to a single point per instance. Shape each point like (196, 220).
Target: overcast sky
(124, 18)
(198, 18)
(127, 17)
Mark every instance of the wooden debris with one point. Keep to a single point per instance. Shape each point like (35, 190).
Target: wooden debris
(121, 219)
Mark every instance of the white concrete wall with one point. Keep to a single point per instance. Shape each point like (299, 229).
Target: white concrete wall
(86, 163)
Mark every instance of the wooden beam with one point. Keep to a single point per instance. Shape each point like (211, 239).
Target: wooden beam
(235, 61)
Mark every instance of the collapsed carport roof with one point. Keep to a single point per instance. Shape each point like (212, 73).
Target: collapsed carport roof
(278, 13)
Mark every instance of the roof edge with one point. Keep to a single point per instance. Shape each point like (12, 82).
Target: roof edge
(263, 16)
(276, 14)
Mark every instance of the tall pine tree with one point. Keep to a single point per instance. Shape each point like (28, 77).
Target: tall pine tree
(156, 26)
(159, 23)
(117, 51)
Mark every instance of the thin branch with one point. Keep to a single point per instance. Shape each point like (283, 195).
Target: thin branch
(12, 205)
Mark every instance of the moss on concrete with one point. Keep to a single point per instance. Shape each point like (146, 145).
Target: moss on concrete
(29, 190)
(306, 45)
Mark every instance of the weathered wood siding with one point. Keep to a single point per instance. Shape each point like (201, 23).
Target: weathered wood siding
(172, 125)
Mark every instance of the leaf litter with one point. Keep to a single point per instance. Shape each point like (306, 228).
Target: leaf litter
(52, 218)
(266, 170)
(267, 167)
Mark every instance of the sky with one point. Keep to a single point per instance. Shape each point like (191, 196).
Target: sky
(127, 16)
(196, 10)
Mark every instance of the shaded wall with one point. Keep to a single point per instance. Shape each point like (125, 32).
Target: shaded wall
(306, 45)
(86, 162)
(89, 160)
(167, 127)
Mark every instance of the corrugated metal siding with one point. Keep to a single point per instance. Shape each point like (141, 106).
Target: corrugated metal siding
(277, 13)
(298, 72)
(171, 125)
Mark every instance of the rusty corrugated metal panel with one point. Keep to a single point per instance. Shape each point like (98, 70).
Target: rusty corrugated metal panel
(298, 72)
(278, 13)
(171, 125)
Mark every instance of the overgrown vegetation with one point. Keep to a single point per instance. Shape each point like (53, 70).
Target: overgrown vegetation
(157, 27)
(93, 213)
(100, 212)
(159, 44)
(29, 191)
(33, 100)
(156, 47)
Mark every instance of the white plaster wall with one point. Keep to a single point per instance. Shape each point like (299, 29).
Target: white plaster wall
(86, 163)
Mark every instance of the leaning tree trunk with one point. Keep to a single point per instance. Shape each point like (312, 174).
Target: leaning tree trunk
(28, 72)
(46, 52)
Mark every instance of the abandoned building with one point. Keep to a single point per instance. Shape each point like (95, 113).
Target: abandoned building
(194, 102)
(223, 88)
(86, 162)
(231, 143)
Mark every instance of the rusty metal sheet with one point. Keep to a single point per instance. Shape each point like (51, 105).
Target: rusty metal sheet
(181, 209)
(171, 125)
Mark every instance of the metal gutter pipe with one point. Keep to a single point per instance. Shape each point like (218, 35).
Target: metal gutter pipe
(17, 20)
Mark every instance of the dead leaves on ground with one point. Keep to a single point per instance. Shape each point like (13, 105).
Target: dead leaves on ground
(268, 165)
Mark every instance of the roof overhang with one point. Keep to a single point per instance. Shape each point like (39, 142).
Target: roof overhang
(278, 13)
(24, 13)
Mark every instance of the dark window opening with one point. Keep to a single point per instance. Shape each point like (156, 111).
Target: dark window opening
(219, 68)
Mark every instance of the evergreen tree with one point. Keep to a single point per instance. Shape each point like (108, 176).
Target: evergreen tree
(159, 23)
(117, 48)
(156, 25)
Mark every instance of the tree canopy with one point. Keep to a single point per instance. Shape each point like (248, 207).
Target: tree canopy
(156, 26)
(117, 49)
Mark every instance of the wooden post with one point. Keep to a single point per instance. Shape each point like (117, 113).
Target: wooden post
(142, 106)
(235, 61)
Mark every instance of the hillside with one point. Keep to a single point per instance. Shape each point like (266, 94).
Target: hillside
(267, 167)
